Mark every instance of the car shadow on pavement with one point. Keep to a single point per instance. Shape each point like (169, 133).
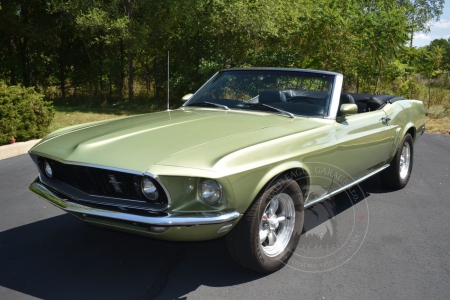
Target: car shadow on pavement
(63, 258)
(373, 185)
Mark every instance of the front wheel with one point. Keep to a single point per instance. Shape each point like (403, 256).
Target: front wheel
(269, 232)
(398, 173)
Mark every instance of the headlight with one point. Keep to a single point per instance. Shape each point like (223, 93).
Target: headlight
(48, 169)
(210, 191)
(149, 189)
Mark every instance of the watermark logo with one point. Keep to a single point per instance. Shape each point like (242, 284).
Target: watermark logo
(335, 228)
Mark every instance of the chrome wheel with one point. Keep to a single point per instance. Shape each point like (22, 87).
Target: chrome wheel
(268, 233)
(405, 160)
(277, 224)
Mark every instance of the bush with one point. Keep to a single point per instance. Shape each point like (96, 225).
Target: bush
(437, 112)
(409, 89)
(23, 113)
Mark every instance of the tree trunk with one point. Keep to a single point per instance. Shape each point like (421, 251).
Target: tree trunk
(378, 76)
(130, 71)
(218, 45)
(412, 28)
(62, 81)
(110, 86)
(13, 80)
(62, 75)
(91, 69)
(357, 82)
(429, 92)
(100, 69)
(122, 73)
(23, 45)
(130, 55)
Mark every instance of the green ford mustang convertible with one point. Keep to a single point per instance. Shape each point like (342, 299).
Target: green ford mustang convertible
(243, 157)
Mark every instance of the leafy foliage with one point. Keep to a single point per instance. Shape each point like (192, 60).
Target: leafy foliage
(23, 113)
(420, 13)
(96, 52)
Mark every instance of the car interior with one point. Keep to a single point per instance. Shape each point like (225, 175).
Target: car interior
(313, 103)
(296, 102)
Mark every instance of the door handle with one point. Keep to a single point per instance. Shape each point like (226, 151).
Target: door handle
(386, 119)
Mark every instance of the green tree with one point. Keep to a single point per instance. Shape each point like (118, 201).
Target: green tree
(420, 13)
(429, 61)
(445, 46)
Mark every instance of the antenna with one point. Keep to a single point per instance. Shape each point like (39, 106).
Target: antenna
(168, 84)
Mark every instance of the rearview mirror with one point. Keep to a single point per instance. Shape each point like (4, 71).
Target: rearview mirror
(347, 109)
(186, 97)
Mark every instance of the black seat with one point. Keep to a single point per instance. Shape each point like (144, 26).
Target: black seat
(346, 98)
(271, 96)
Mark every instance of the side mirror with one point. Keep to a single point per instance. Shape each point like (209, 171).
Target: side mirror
(347, 109)
(186, 97)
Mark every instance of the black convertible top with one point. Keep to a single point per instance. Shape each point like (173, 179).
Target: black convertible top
(370, 102)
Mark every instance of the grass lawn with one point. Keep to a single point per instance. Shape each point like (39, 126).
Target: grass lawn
(67, 116)
(438, 125)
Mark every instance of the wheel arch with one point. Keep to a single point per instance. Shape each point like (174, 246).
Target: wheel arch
(411, 130)
(292, 170)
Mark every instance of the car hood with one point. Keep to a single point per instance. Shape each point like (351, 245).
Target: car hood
(138, 142)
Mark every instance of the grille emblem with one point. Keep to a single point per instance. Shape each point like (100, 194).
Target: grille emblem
(115, 183)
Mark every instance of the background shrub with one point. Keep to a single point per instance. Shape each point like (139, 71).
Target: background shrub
(23, 113)
(409, 89)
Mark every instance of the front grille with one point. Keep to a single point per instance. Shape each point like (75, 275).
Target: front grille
(96, 181)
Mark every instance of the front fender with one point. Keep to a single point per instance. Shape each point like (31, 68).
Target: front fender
(247, 185)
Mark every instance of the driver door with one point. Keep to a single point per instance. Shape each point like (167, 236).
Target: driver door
(363, 142)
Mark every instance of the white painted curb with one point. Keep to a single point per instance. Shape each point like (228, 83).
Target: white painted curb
(15, 149)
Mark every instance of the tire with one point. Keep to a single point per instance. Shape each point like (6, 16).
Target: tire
(398, 173)
(246, 242)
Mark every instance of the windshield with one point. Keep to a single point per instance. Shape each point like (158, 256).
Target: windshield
(296, 92)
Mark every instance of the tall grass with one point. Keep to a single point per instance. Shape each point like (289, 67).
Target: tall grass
(437, 106)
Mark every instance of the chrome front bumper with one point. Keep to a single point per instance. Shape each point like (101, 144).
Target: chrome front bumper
(169, 220)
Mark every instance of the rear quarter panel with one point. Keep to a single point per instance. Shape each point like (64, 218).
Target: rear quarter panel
(405, 114)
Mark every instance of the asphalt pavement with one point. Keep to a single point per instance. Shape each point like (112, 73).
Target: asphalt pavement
(386, 244)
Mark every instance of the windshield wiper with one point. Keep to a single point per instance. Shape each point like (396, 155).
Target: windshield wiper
(209, 103)
(271, 107)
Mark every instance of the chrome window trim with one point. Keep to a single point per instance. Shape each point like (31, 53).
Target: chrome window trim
(196, 92)
(67, 193)
(336, 96)
(282, 69)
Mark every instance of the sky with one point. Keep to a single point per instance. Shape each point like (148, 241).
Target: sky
(438, 30)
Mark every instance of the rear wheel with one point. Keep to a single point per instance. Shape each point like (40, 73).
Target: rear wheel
(269, 232)
(398, 173)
